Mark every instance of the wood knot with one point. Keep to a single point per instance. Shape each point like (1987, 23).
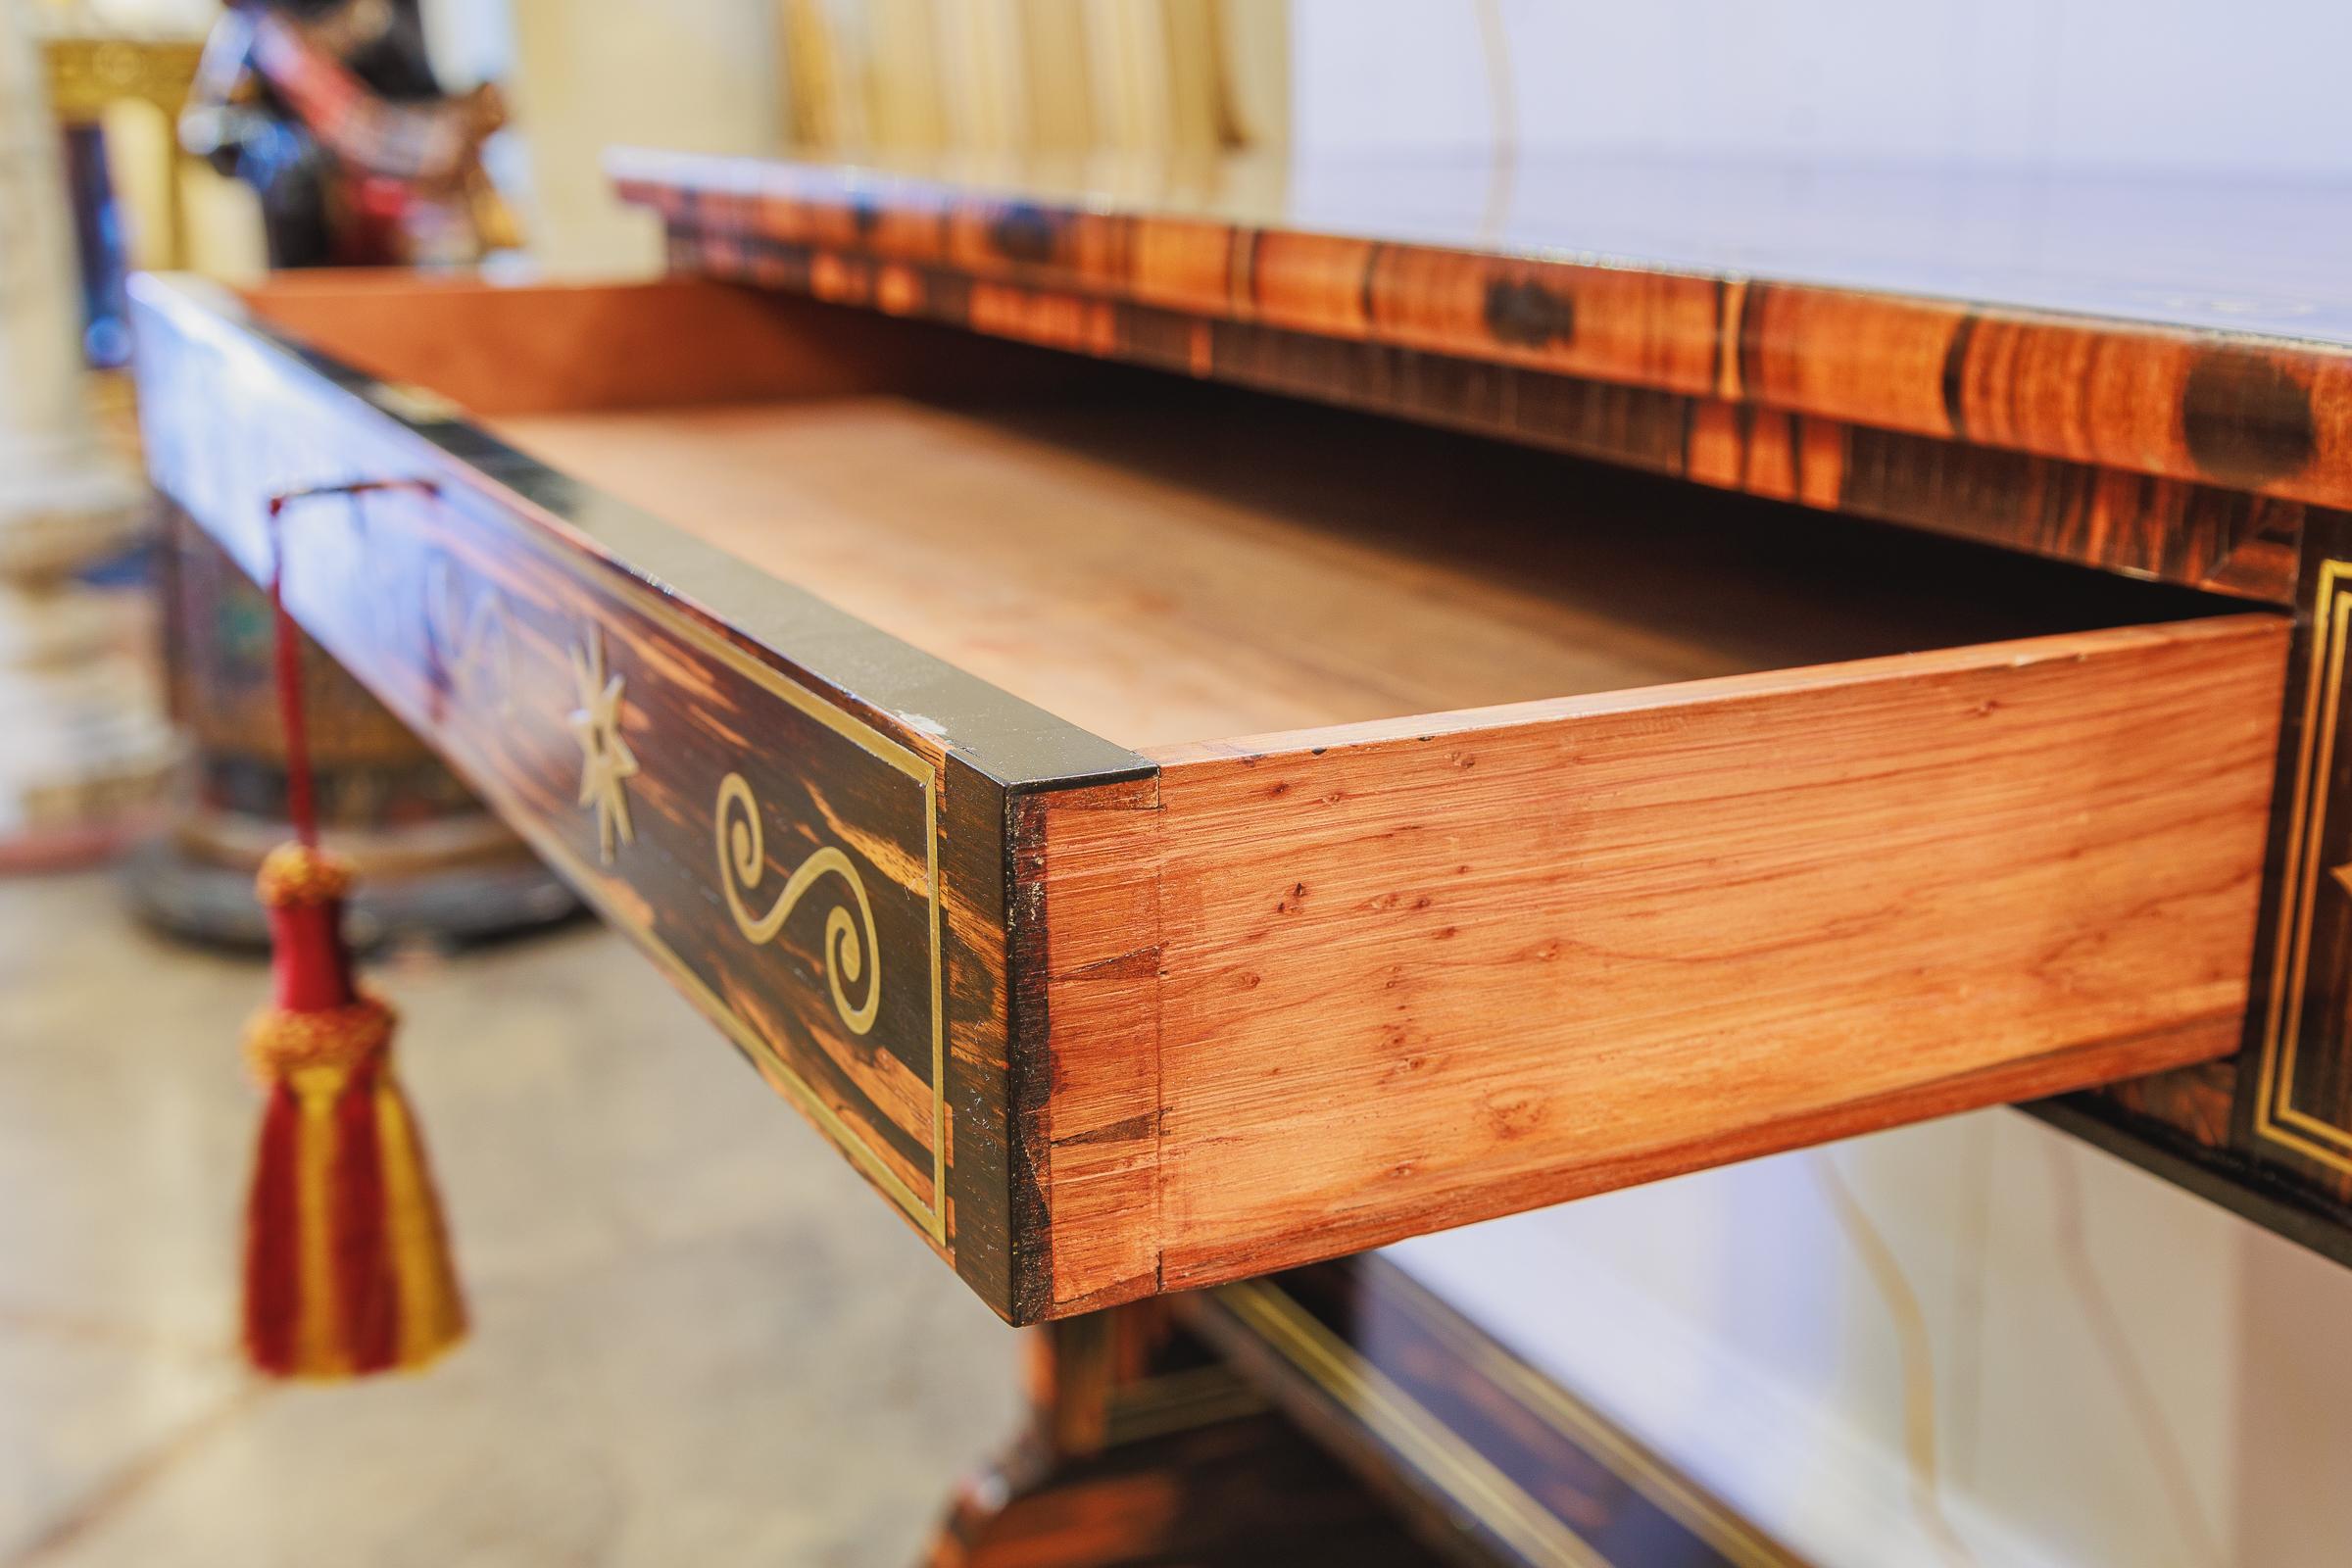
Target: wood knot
(1025, 234)
(1529, 315)
(2244, 419)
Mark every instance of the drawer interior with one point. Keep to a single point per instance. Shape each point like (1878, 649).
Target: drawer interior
(1188, 565)
(1162, 563)
(1161, 569)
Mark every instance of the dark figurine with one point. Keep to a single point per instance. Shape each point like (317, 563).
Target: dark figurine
(330, 110)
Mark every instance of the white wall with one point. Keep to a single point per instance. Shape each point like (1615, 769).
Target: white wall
(698, 75)
(2201, 85)
(2106, 1370)
(1979, 1340)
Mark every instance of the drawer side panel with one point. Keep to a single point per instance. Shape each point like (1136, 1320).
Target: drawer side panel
(824, 878)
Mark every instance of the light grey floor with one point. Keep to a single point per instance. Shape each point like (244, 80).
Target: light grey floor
(699, 1337)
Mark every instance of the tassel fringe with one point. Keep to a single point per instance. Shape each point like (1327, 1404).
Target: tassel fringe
(347, 1267)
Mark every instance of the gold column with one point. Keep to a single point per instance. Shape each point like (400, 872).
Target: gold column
(83, 730)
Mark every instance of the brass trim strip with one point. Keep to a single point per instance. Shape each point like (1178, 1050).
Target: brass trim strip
(1466, 1476)
(1704, 1516)
(2276, 1119)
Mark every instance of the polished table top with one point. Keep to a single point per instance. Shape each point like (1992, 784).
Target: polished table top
(2144, 376)
(2229, 255)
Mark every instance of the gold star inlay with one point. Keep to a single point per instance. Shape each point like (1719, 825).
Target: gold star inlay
(606, 764)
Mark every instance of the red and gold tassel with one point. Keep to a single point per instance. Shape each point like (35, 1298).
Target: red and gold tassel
(347, 1266)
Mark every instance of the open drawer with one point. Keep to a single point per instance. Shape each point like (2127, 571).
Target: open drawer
(1165, 834)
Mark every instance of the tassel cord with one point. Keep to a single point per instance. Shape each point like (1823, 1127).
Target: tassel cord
(301, 798)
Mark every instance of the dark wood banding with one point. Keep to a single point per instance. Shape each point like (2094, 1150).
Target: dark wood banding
(2187, 453)
(1468, 1439)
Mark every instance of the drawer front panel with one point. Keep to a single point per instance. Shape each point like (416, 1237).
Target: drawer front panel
(774, 850)
(1407, 975)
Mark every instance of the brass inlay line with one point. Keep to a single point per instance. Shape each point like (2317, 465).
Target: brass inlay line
(1466, 1476)
(2276, 1117)
(932, 1217)
(1739, 1541)
(743, 862)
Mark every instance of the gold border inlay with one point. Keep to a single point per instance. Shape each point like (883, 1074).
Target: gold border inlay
(2276, 1117)
(1713, 1522)
(210, 476)
(1468, 1476)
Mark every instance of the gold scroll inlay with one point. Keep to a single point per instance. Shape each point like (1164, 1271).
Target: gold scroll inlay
(849, 954)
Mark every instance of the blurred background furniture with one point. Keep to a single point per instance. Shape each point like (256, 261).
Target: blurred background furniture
(117, 98)
(332, 116)
(87, 744)
(330, 110)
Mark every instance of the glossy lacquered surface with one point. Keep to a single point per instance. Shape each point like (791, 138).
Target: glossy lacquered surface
(2202, 250)
(1802, 334)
